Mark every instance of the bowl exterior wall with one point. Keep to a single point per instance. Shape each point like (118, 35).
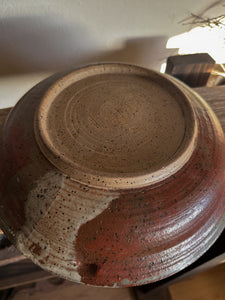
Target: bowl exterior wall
(107, 237)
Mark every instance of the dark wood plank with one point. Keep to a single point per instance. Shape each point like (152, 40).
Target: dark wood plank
(193, 69)
(10, 255)
(156, 294)
(215, 97)
(21, 273)
(208, 285)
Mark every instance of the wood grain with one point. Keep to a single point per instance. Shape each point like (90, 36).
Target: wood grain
(208, 285)
(21, 273)
(10, 255)
(215, 96)
(193, 69)
(71, 291)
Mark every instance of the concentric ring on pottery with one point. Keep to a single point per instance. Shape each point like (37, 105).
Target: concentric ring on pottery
(119, 126)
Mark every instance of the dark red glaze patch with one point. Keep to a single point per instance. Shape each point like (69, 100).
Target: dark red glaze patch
(35, 249)
(118, 245)
(15, 155)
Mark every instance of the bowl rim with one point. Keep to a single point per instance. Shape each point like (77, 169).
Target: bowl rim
(105, 179)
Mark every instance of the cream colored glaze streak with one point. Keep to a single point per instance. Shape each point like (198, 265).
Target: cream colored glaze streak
(53, 221)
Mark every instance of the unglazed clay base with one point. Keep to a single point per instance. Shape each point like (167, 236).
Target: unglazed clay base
(115, 126)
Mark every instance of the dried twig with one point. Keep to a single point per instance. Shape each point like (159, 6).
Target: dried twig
(218, 21)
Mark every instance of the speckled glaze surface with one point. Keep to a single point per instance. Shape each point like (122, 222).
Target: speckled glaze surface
(112, 175)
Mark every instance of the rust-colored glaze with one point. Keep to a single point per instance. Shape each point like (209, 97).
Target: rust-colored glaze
(112, 175)
(36, 249)
(20, 160)
(141, 236)
(18, 149)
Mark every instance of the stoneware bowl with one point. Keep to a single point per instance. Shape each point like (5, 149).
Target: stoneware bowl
(112, 175)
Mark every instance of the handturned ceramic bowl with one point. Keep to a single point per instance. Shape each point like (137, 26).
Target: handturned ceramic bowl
(112, 175)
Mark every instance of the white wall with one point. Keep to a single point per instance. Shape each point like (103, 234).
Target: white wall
(46, 36)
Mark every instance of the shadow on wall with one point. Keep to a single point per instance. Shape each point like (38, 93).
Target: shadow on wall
(148, 52)
(39, 44)
(36, 44)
